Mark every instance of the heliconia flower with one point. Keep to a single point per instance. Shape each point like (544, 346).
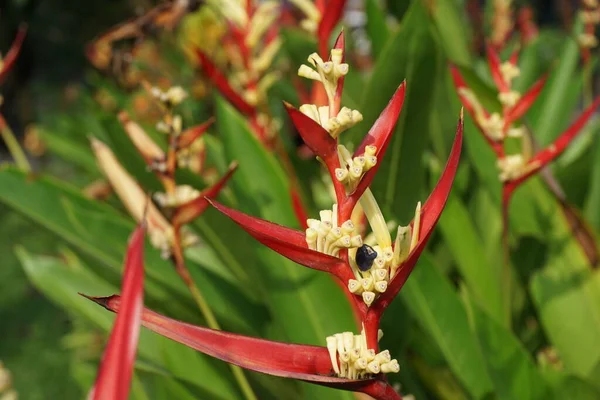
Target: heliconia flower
(293, 244)
(307, 363)
(135, 199)
(7, 63)
(116, 368)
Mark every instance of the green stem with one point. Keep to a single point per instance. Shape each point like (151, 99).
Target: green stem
(206, 312)
(13, 146)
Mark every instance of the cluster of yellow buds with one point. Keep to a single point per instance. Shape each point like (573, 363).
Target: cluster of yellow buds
(6, 390)
(353, 169)
(345, 119)
(502, 22)
(513, 166)
(590, 16)
(326, 236)
(181, 195)
(329, 74)
(356, 360)
(311, 13)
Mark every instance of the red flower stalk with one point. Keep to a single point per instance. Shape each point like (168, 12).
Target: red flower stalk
(11, 56)
(116, 368)
(371, 276)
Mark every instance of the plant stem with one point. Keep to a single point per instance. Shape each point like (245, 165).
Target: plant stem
(13, 146)
(505, 274)
(207, 312)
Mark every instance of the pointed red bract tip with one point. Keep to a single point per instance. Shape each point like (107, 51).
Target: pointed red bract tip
(191, 134)
(379, 136)
(314, 135)
(288, 242)
(330, 18)
(525, 102)
(494, 63)
(13, 52)
(430, 214)
(191, 210)
(116, 368)
(547, 155)
(220, 81)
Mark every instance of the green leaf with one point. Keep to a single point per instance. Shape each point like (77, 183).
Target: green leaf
(377, 28)
(308, 305)
(569, 307)
(432, 299)
(554, 99)
(100, 232)
(62, 284)
(514, 374)
(451, 29)
(480, 276)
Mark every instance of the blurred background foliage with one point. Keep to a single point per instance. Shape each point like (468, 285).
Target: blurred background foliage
(53, 94)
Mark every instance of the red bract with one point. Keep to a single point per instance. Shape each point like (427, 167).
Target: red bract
(331, 16)
(190, 135)
(191, 210)
(526, 101)
(116, 367)
(13, 52)
(308, 363)
(547, 155)
(431, 211)
(379, 136)
(220, 81)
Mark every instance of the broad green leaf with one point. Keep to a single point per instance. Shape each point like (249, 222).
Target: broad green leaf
(432, 299)
(306, 304)
(62, 284)
(513, 372)
(569, 307)
(480, 276)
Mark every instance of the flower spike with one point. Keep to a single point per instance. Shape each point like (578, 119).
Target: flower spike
(191, 210)
(13, 53)
(116, 368)
(220, 81)
(430, 214)
(288, 242)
